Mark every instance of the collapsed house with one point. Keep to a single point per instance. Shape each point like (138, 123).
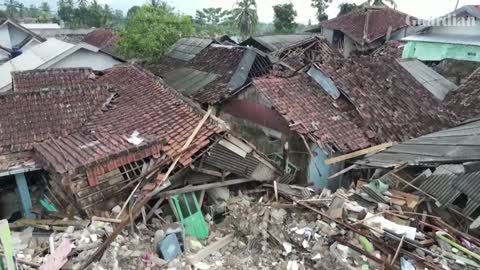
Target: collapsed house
(366, 29)
(464, 101)
(215, 73)
(272, 43)
(96, 132)
(339, 108)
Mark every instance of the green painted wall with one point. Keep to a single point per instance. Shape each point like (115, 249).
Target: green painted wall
(429, 51)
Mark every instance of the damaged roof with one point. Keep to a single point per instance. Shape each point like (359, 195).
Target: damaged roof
(274, 42)
(449, 146)
(382, 100)
(103, 38)
(215, 73)
(187, 48)
(465, 100)
(144, 106)
(438, 85)
(41, 79)
(369, 24)
(33, 117)
(74, 129)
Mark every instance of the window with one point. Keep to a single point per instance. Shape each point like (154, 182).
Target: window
(472, 54)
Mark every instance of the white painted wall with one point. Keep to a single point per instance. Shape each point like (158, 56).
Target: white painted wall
(348, 46)
(85, 58)
(328, 34)
(5, 37)
(4, 56)
(16, 35)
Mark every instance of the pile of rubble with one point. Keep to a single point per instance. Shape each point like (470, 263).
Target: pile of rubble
(286, 227)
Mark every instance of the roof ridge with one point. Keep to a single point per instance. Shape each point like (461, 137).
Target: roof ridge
(60, 90)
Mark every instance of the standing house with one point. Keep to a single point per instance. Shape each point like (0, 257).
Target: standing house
(365, 30)
(453, 36)
(15, 38)
(91, 134)
(103, 38)
(54, 53)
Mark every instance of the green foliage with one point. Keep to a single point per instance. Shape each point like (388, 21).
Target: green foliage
(213, 21)
(151, 30)
(284, 19)
(245, 16)
(346, 8)
(88, 13)
(132, 11)
(321, 6)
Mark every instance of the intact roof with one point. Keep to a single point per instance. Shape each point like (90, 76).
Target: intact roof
(369, 24)
(103, 38)
(41, 25)
(438, 85)
(445, 38)
(21, 27)
(144, 105)
(187, 48)
(44, 79)
(40, 56)
(468, 10)
(389, 104)
(465, 100)
(28, 118)
(275, 42)
(449, 146)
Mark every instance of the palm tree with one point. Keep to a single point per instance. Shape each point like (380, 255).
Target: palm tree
(246, 18)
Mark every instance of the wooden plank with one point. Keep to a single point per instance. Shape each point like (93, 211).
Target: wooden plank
(205, 186)
(232, 147)
(59, 257)
(206, 251)
(362, 152)
(6, 241)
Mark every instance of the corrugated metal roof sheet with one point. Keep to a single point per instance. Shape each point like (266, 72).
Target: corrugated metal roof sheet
(447, 187)
(186, 48)
(445, 38)
(438, 85)
(188, 80)
(327, 84)
(276, 42)
(454, 145)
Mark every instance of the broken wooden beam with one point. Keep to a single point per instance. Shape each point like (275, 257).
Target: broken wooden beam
(206, 251)
(204, 187)
(362, 152)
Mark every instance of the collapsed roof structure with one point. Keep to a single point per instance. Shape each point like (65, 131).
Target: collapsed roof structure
(361, 103)
(95, 132)
(365, 29)
(272, 43)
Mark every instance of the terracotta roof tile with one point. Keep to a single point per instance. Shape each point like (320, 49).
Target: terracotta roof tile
(143, 105)
(379, 102)
(103, 38)
(376, 21)
(44, 79)
(28, 118)
(465, 100)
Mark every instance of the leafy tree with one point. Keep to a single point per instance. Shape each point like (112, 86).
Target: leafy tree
(150, 31)
(346, 8)
(213, 21)
(132, 11)
(66, 10)
(11, 8)
(321, 6)
(284, 18)
(246, 18)
(45, 7)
